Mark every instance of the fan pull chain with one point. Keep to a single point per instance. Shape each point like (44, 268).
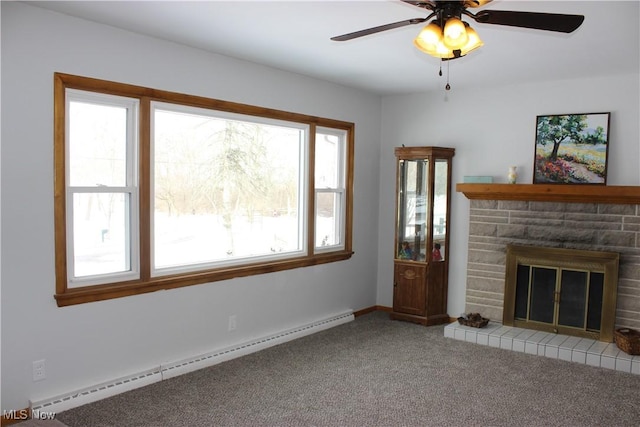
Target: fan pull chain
(448, 86)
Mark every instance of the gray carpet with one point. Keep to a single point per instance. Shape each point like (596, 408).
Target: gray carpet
(378, 372)
(41, 423)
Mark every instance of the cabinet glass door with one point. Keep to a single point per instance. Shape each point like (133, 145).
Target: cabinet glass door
(440, 204)
(412, 209)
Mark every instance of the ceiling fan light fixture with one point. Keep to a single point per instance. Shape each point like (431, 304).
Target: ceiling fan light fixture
(443, 52)
(430, 35)
(438, 50)
(474, 41)
(431, 41)
(455, 34)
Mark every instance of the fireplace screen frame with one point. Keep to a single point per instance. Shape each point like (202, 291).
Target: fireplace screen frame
(562, 259)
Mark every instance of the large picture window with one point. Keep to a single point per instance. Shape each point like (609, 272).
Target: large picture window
(157, 190)
(227, 188)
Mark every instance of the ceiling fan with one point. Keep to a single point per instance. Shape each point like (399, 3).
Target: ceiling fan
(447, 37)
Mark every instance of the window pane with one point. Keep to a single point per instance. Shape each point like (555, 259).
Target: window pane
(328, 153)
(100, 233)
(328, 219)
(97, 144)
(224, 189)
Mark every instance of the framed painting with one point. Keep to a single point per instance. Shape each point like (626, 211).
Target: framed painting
(571, 149)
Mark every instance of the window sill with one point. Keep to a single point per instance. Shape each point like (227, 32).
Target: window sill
(118, 290)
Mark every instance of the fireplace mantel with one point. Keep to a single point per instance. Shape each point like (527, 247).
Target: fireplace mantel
(577, 193)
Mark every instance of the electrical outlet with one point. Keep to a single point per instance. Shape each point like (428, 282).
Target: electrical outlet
(232, 322)
(39, 373)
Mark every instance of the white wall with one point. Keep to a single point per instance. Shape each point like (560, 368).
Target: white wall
(90, 343)
(492, 129)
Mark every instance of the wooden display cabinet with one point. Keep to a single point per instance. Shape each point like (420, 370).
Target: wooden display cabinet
(421, 261)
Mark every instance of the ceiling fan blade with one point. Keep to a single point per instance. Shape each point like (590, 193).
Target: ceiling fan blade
(535, 20)
(378, 29)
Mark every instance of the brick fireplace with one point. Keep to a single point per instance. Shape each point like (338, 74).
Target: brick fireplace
(596, 219)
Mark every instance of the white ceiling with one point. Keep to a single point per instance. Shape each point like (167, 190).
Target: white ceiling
(295, 36)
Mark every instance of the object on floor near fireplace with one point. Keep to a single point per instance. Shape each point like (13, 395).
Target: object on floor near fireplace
(475, 320)
(565, 291)
(628, 340)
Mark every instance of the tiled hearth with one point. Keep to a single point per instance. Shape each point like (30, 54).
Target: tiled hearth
(563, 347)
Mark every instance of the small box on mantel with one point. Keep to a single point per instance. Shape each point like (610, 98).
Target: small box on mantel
(477, 179)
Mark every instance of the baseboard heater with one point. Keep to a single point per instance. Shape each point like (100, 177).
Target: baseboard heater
(165, 371)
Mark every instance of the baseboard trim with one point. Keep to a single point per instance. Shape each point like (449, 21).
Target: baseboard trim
(168, 370)
(371, 310)
(386, 310)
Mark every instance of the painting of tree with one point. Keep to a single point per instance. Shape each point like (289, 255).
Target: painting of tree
(571, 149)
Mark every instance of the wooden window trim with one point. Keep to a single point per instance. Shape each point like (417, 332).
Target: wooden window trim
(78, 295)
